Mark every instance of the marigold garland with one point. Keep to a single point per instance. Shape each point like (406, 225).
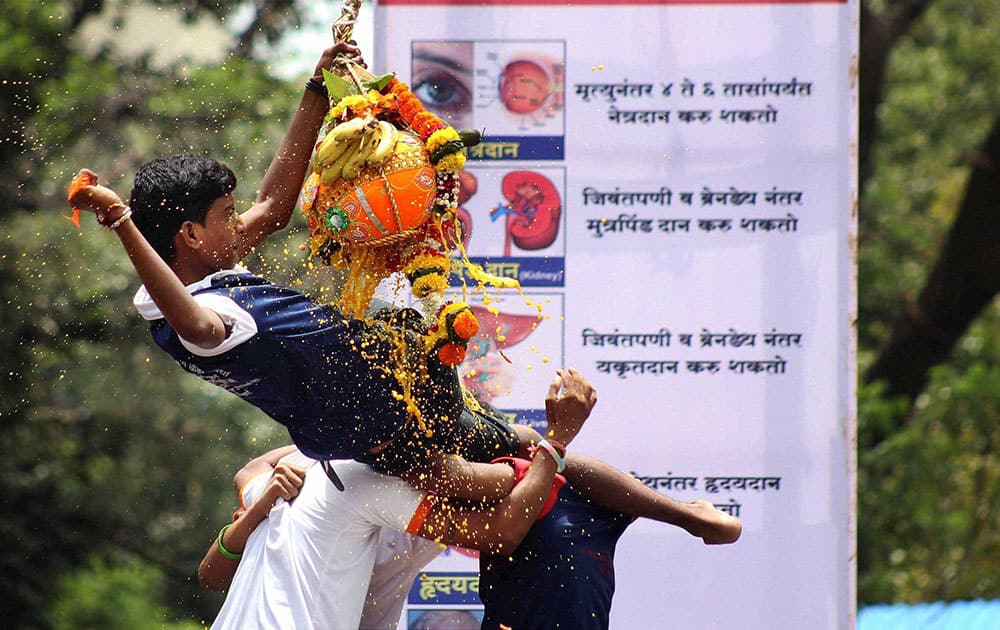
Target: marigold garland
(452, 162)
(424, 262)
(441, 137)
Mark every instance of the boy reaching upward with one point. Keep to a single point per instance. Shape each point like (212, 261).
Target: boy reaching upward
(329, 379)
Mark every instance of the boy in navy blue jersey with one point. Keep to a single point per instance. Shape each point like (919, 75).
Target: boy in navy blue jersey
(563, 575)
(330, 380)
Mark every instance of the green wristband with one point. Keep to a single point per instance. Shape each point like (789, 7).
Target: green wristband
(222, 548)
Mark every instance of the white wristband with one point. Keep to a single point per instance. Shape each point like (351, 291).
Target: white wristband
(560, 464)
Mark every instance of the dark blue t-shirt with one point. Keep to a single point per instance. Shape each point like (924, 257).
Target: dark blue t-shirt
(561, 576)
(327, 378)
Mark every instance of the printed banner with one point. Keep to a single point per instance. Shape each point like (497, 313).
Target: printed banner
(673, 183)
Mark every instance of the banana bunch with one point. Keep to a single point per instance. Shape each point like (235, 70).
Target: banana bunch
(352, 145)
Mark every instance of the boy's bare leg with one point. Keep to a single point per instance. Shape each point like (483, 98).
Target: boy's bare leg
(611, 488)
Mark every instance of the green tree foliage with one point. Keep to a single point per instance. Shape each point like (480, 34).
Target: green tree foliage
(122, 595)
(107, 449)
(940, 101)
(928, 495)
(928, 499)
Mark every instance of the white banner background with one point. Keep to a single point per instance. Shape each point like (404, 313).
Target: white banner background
(794, 566)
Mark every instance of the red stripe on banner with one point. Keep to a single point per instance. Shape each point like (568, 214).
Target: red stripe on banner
(570, 4)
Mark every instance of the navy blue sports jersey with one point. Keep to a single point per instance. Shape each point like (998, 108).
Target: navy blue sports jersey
(325, 377)
(561, 576)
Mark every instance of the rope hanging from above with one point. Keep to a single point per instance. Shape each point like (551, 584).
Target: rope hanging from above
(343, 26)
(343, 32)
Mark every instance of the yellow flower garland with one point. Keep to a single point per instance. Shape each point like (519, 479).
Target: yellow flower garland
(440, 138)
(452, 162)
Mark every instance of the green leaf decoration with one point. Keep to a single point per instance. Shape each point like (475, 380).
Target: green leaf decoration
(379, 82)
(338, 88)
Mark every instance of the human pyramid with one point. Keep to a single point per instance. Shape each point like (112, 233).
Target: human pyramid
(391, 458)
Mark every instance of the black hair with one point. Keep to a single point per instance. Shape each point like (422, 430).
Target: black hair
(171, 190)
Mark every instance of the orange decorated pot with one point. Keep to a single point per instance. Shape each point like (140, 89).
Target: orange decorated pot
(383, 201)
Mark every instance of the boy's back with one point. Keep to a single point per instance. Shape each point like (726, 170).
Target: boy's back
(330, 380)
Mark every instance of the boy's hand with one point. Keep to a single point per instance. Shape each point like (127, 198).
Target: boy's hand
(285, 482)
(347, 50)
(95, 198)
(567, 411)
(712, 525)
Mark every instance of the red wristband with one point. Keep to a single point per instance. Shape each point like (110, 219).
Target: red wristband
(521, 467)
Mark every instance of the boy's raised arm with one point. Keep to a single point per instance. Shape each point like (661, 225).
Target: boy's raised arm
(502, 526)
(280, 187)
(193, 322)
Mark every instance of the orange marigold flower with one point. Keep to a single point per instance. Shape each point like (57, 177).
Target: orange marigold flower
(397, 87)
(451, 354)
(80, 181)
(409, 107)
(466, 325)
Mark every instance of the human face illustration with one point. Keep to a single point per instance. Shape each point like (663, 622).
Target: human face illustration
(442, 80)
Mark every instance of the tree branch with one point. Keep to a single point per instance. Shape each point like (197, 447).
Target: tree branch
(903, 14)
(879, 34)
(875, 43)
(964, 280)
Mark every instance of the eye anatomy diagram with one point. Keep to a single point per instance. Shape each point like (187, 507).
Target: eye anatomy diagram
(443, 80)
(514, 91)
(527, 84)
